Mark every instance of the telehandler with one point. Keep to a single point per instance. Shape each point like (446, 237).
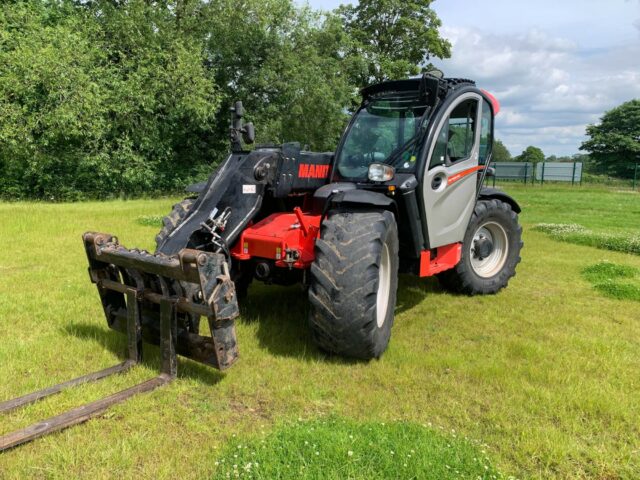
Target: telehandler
(403, 193)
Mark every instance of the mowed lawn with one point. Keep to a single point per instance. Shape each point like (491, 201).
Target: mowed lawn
(543, 378)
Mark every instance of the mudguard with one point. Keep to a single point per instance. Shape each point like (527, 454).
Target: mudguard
(347, 194)
(487, 193)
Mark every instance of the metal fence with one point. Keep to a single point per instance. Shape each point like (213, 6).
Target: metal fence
(522, 171)
(528, 172)
(559, 172)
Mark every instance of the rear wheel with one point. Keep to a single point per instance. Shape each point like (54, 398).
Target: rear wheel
(175, 217)
(169, 224)
(353, 283)
(240, 276)
(490, 251)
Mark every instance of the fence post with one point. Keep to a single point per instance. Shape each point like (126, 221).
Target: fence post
(526, 170)
(573, 175)
(635, 176)
(542, 176)
(581, 171)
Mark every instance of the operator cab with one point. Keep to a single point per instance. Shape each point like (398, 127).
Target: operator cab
(422, 143)
(384, 130)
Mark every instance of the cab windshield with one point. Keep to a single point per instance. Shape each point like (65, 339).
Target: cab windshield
(383, 131)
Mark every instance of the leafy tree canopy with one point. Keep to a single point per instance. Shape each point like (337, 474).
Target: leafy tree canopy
(392, 38)
(102, 98)
(614, 143)
(500, 152)
(530, 154)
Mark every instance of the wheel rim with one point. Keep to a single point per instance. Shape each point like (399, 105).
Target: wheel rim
(488, 264)
(384, 286)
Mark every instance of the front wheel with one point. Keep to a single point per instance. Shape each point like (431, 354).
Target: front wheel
(353, 283)
(490, 251)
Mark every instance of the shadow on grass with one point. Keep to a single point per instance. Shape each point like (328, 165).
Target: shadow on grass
(117, 343)
(280, 314)
(413, 290)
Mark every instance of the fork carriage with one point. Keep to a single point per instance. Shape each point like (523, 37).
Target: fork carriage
(137, 289)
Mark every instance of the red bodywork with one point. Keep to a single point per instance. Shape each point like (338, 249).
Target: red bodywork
(446, 257)
(289, 239)
(495, 104)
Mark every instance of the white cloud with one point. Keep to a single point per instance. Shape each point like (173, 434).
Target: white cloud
(549, 87)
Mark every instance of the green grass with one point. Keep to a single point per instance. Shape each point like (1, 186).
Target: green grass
(601, 272)
(150, 220)
(542, 375)
(574, 233)
(596, 208)
(616, 281)
(335, 449)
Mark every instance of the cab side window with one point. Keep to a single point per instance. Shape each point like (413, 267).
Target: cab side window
(457, 135)
(486, 137)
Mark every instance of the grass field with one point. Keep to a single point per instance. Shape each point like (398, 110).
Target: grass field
(539, 381)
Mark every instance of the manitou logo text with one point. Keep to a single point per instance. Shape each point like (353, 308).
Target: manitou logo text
(313, 171)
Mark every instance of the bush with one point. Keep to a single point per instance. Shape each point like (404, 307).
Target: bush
(107, 99)
(594, 179)
(99, 105)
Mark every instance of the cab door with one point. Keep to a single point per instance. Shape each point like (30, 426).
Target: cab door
(450, 180)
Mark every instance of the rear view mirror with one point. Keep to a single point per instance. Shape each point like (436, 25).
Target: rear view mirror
(238, 109)
(240, 131)
(249, 133)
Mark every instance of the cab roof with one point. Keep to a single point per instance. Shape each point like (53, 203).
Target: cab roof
(428, 85)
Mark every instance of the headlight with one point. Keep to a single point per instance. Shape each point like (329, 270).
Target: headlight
(381, 172)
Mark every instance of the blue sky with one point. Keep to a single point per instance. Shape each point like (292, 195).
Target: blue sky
(555, 66)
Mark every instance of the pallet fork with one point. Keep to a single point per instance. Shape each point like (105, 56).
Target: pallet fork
(148, 297)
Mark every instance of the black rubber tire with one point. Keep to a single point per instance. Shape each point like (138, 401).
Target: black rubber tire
(462, 278)
(175, 217)
(169, 224)
(344, 281)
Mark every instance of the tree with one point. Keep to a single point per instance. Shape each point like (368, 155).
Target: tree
(285, 64)
(530, 154)
(500, 152)
(99, 100)
(392, 38)
(614, 143)
(104, 98)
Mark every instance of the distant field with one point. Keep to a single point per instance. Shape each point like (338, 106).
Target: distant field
(594, 207)
(539, 381)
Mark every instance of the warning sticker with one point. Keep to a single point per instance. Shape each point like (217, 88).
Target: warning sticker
(248, 189)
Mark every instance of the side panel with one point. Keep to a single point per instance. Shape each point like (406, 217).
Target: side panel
(450, 189)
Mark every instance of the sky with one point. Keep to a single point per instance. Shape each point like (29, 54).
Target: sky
(555, 65)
